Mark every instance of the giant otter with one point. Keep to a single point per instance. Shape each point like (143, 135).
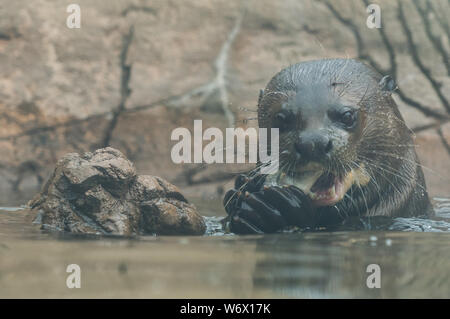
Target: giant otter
(345, 152)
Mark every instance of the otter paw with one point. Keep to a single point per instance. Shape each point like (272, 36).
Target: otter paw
(266, 209)
(242, 184)
(295, 206)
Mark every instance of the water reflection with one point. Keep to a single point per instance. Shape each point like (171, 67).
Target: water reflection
(334, 265)
(293, 265)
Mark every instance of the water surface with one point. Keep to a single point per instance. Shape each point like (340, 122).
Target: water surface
(414, 259)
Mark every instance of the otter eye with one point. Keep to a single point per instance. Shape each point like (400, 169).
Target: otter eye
(284, 120)
(348, 118)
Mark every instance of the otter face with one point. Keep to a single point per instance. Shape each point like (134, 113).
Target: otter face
(319, 135)
(341, 135)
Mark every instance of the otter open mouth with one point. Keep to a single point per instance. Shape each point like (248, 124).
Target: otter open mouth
(327, 190)
(323, 187)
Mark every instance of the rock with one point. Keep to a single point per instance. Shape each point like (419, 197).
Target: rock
(100, 193)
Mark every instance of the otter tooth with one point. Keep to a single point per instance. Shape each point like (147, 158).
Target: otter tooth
(333, 191)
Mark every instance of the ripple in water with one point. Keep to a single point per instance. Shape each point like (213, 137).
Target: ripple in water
(438, 223)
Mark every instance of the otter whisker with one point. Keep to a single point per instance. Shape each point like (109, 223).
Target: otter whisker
(380, 169)
(396, 156)
(389, 170)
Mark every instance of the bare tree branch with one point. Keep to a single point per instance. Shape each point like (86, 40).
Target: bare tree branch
(425, 127)
(416, 58)
(434, 39)
(442, 20)
(443, 140)
(175, 101)
(392, 70)
(219, 83)
(138, 8)
(360, 47)
(124, 88)
(188, 176)
(74, 122)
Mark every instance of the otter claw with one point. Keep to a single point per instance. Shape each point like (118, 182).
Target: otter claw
(254, 207)
(241, 226)
(271, 214)
(240, 181)
(294, 204)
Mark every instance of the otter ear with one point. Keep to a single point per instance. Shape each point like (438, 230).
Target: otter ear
(387, 83)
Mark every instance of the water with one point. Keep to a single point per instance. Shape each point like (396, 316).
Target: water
(414, 257)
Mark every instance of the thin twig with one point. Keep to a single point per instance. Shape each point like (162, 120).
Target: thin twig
(125, 90)
(417, 60)
(392, 70)
(443, 140)
(425, 127)
(441, 19)
(435, 41)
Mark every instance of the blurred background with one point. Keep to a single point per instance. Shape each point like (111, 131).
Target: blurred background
(136, 70)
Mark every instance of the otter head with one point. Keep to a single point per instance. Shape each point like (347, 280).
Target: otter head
(327, 113)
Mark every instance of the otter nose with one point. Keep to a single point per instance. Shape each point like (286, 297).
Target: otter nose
(313, 146)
